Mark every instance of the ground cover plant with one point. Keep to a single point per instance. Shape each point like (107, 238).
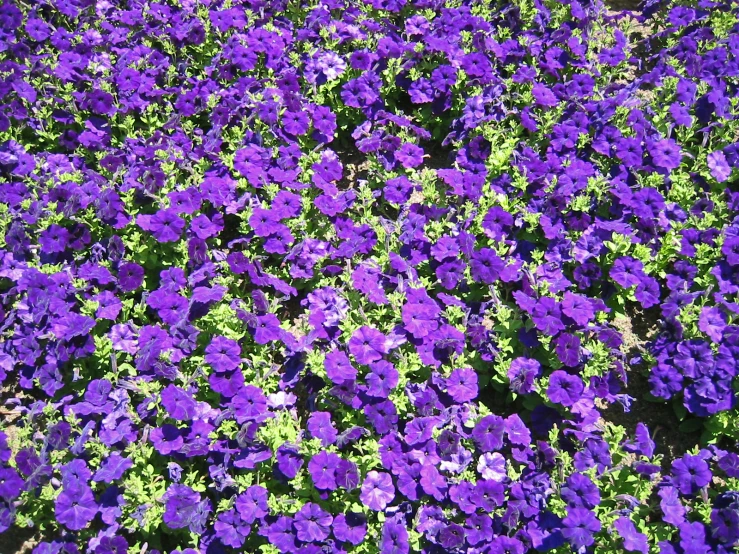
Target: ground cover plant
(284, 276)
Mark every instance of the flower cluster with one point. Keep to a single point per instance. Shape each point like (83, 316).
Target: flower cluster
(302, 276)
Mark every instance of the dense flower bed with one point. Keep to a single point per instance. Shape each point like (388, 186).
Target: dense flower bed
(335, 276)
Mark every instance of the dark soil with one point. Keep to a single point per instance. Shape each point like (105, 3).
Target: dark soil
(637, 330)
(18, 540)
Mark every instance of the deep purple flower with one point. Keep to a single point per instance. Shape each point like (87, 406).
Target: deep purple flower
(180, 404)
(76, 507)
(130, 277)
(718, 166)
(11, 484)
(321, 427)
(488, 433)
(547, 316)
(567, 347)
(564, 389)
(382, 379)
(712, 322)
(165, 225)
(223, 354)
(690, 474)
(578, 307)
(665, 154)
(580, 491)
(350, 528)
(579, 527)
(252, 503)
(394, 537)
(339, 367)
(627, 271)
(522, 373)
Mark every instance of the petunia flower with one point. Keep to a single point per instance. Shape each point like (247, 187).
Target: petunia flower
(377, 491)
(312, 523)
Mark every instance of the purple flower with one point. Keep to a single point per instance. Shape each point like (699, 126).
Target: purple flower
(462, 385)
(322, 468)
(377, 491)
(351, 528)
(165, 225)
(627, 271)
(252, 503)
(312, 523)
(567, 347)
(517, 431)
(75, 507)
(167, 439)
(547, 316)
(367, 345)
(321, 427)
(382, 379)
(113, 468)
(634, 541)
(249, 404)
(712, 322)
(690, 474)
(564, 388)
(578, 308)
(339, 368)
(488, 433)
(11, 484)
(289, 461)
(718, 166)
(522, 373)
(579, 527)
(394, 537)
(223, 354)
(488, 495)
(433, 483)
(230, 529)
(665, 154)
(180, 405)
(486, 266)
(580, 491)
(130, 277)
(267, 329)
(184, 508)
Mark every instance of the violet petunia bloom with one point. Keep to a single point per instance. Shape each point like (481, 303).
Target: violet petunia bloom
(394, 537)
(690, 474)
(179, 404)
(312, 523)
(718, 166)
(351, 528)
(564, 389)
(547, 316)
(488, 433)
(579, 527)
(462, 385)
(377, 491)
(223, 354)
(665, 154)
(321, 427)
(322, 468)
(634, 541)
(367, 345)
(522, 373)
(75, 508)
(165, 225)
